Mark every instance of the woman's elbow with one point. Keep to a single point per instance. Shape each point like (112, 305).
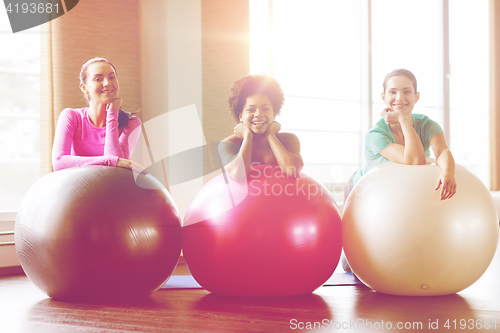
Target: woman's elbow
(446, 154)
(56, 165)
(421, 161)
(238, 174)
(60, 162)
(292, 171)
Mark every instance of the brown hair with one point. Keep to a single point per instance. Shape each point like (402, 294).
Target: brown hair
(404, 72)
(249, 85)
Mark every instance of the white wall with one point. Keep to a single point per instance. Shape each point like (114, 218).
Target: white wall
(171, 67)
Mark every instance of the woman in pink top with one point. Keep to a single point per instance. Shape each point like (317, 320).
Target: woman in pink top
(101, 134)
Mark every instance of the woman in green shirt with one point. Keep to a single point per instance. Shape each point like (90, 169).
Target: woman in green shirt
(405, 138)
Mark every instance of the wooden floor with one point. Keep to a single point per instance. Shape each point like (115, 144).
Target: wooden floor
(23, 308)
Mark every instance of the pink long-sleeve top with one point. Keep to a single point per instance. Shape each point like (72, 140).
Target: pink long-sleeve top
(79, 142)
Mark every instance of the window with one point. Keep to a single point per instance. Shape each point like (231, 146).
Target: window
(331, 57)
(320, 73)
(411, 39)
(19, 113)
(469, 86)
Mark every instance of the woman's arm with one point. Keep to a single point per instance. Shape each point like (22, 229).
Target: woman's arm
(237, 158)
(287, 153)
(63, 142)
(116, 144)
(129, 137)
(111, 141)
(126, 144)
(412, 152)
(121, 145)
(445, 160)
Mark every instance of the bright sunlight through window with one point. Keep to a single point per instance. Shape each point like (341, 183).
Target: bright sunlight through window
(320, 53)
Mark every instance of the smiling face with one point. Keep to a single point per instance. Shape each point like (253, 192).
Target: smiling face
(101, 84)
(257, 113)
(400, 94)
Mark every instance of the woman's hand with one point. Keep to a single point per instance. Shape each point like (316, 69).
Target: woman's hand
(274, 128)
(115, 104)
(129, 164)
(242, 131)
(390, 117)
(449, 185)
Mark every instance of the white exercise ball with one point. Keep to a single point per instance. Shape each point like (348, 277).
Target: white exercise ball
(400, 238)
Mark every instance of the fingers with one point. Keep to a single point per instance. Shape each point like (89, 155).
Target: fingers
(132, 165)
(444, 189)
(438, 184)
(115, 104)
(242, 131)
(274, 128)
(451, 191)
(448, 190)
(385, 112)
(138, 168)
(278, 125)
(237, 130)
(444, 192)
(391, 117)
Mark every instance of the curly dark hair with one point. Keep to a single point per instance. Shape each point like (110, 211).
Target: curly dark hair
(249, 85)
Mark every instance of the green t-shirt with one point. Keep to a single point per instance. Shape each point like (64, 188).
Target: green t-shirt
(380, 136)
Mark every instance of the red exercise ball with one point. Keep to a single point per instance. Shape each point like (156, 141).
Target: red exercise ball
(98, 232)
(270, 236)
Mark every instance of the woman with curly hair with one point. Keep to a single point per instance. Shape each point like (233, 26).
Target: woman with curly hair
(255, 101)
